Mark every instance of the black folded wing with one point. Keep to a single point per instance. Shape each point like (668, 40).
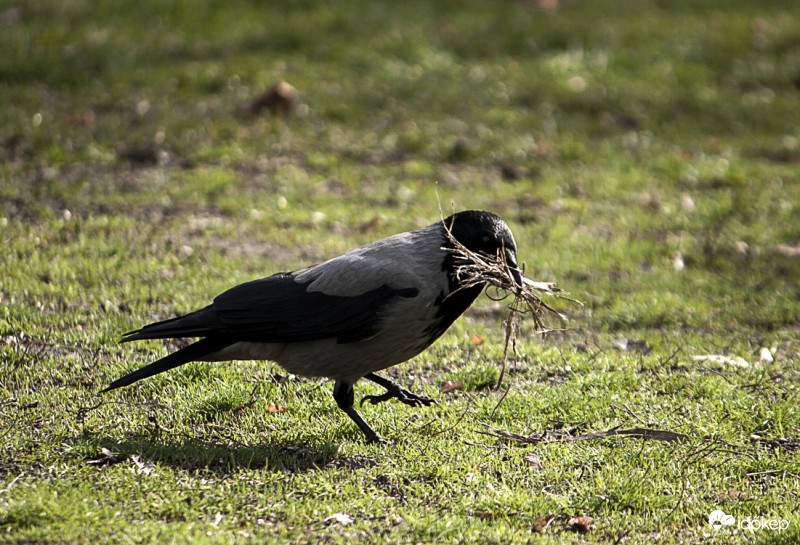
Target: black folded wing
(279, 309)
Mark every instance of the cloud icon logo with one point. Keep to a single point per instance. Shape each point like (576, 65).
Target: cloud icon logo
(717, 519)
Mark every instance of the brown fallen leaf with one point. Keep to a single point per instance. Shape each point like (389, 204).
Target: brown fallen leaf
(485, 515)
(275, 408)
(733, 495)
(451, 386)
(533, 460)
(543, 523)
(582, 524)
(477, 340)
(280, 99)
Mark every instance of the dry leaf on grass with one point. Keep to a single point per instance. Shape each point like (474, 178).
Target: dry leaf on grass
(487, 515)
(275, 408)
(451, 386)
(732, 495)
(280, 99)
(543, 523)
(339, 518)
(533, 460)
(142, 467)
(582, 524)
(734, 361)
(107, 458)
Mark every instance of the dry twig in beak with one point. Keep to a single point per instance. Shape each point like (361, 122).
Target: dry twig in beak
(478, 268)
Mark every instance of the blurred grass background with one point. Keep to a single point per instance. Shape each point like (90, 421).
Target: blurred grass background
(644, 153)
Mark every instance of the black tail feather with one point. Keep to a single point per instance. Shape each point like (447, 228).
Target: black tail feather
(193, 352)
(200, 323)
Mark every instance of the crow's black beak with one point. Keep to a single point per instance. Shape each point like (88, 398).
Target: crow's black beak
(511, 260)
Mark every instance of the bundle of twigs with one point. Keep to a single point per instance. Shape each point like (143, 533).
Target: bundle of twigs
(479, 268)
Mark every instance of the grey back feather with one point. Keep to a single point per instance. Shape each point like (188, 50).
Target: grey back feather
(401, 261)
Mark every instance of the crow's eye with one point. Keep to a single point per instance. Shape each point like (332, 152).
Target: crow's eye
(485, 238)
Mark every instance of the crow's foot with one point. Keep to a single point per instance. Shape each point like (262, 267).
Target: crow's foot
(404, 396)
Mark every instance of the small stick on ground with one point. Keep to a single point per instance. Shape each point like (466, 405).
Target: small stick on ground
(644, 433)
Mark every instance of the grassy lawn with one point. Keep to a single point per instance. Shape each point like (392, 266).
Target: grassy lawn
(646, 155)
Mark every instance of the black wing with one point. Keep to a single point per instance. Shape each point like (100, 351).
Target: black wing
(279, 309)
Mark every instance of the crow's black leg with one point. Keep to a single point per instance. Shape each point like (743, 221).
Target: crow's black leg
(344, 396)
(395, 391)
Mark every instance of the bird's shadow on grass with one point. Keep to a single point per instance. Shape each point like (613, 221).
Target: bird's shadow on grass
(193, 454)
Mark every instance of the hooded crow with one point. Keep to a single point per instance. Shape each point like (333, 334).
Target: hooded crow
(346, 318)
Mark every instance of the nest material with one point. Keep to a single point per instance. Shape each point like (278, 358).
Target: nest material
(479, 269)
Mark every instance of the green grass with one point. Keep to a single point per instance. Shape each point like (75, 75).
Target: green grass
(618, 139)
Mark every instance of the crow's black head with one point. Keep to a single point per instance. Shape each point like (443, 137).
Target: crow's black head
(484, 232)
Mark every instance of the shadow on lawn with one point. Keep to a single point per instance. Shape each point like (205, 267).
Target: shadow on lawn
(191, 454)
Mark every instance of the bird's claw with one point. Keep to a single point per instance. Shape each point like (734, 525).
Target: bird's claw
(401, 394)
(378, 440)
